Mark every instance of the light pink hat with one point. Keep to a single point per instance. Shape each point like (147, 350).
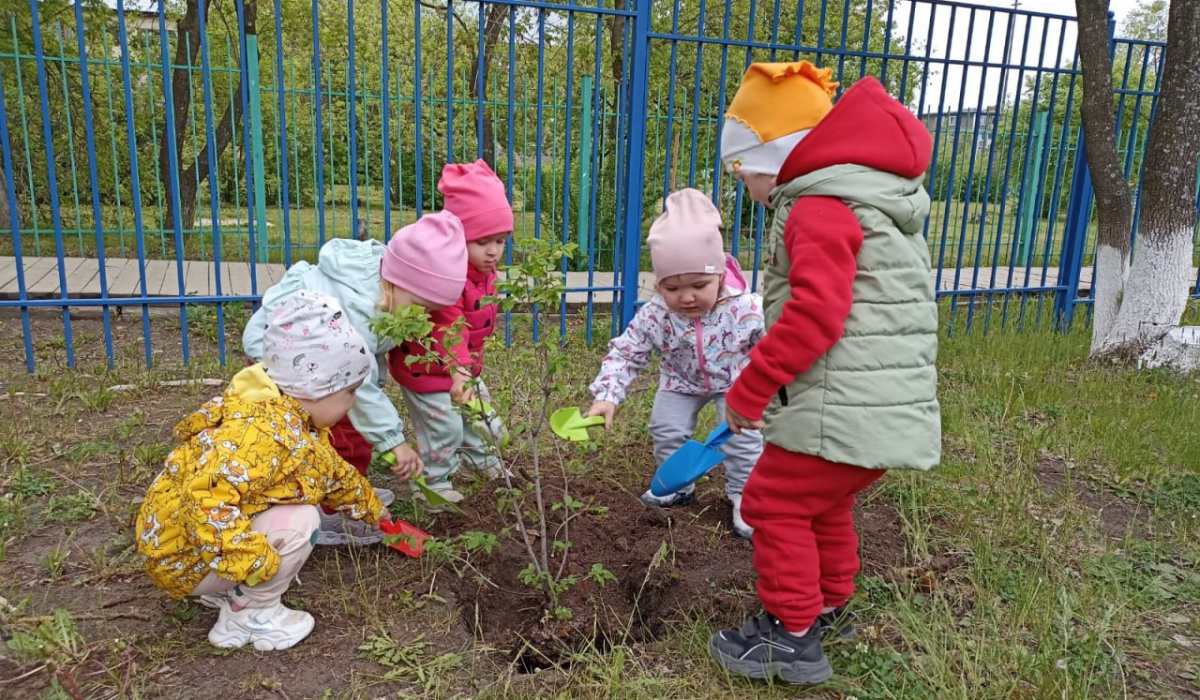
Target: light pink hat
(687, 237)
(428, 258)
(476, 196)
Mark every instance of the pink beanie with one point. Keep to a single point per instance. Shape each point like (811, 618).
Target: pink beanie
(428, 258)
(476, 196)
(687, 237)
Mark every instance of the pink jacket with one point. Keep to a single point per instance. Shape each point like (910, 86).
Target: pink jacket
(480, 322)
(701, 367)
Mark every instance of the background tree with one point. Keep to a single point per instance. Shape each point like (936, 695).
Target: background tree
(1138, 304)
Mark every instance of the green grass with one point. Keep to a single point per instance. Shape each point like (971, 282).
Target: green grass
(120, 239)
(993, 241)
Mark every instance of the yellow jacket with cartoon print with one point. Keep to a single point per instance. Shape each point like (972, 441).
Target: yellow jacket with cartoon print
(242, 453)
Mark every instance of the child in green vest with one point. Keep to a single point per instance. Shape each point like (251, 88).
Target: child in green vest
(844, 384)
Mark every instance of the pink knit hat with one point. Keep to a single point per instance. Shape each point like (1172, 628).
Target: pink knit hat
(428, 258)
(687, 237)
(476, 196)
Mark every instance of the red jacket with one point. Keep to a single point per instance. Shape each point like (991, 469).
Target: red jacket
(424, 378)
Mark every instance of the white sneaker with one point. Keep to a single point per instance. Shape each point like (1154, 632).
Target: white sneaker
(740, 528)
(681, 497)
(214, 601)
(385, 496)
(272, 628)
(337, 529)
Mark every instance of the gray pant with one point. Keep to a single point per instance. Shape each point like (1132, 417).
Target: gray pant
(445, 438)
(673, 422)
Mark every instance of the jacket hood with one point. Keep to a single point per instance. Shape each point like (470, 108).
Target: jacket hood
(867, 127)
(250, 396)
(351, 262)
(869, 149)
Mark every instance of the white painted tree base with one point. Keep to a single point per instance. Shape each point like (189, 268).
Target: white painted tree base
(1178, 350)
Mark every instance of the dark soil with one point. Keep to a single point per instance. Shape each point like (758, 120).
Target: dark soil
(666, 563)
(1115, 516)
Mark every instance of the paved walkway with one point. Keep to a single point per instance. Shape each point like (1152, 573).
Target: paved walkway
(199, 278)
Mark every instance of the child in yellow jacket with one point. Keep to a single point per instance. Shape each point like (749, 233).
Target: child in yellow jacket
(233, 516)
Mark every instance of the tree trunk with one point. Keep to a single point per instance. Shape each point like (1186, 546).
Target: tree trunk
(616, 47)
(1156, 292)
(187, 56)
(493, 24)
(1114, 205)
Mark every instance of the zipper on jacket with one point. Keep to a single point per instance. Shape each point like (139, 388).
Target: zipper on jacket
(700, 354)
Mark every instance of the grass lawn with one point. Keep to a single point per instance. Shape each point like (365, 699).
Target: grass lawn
(959, 235)
(1053, 555)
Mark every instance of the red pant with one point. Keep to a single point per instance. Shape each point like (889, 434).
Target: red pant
(805, 546)
(351, 445)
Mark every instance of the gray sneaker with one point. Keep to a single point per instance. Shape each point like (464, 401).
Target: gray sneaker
(763, 649)
(337, 529)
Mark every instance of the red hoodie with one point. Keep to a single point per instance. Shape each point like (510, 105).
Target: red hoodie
(866, 127)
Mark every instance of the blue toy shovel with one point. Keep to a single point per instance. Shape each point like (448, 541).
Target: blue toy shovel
(690, 462)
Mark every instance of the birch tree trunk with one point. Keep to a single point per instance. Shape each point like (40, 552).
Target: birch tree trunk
(1139, 304)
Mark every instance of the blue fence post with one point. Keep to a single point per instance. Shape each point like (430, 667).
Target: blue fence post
(639, 75)
(1079, 213)
(1070, 264)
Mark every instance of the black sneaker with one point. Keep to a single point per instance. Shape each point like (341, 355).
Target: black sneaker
(839, 622)
(763, 649)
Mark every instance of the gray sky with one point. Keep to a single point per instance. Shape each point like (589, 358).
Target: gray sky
(958, 42)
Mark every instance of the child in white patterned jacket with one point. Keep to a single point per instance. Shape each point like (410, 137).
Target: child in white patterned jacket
(703, 322)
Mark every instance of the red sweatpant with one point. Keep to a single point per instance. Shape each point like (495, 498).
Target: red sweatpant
(351, 445)
(805, 546)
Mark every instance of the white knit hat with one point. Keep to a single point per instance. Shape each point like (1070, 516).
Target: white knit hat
(310, 350)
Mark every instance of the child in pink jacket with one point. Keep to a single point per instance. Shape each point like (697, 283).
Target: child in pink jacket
(445, 438)
(703, 322)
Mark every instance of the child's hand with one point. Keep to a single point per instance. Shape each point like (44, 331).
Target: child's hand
(607, 409)
(739, 422)
(385, 516)
(461, 392)
(408, 464)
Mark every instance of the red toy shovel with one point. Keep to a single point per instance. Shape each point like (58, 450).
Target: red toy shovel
(411, 541)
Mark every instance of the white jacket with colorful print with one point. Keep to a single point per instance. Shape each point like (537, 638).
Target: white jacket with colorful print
(700, 357)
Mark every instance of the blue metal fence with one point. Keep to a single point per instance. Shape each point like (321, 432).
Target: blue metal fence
(154, 161)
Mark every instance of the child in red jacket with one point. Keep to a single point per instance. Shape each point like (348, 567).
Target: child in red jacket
(445, 437)
(844, 384)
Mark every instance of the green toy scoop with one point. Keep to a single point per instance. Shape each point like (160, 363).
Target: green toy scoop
(432, 497)
(569, 424)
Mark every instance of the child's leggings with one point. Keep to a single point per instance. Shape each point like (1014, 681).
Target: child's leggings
(445, 437)
(292, 531)
(805, 546)
(673, 422)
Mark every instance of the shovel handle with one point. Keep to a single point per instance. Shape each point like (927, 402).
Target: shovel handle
(719, 436)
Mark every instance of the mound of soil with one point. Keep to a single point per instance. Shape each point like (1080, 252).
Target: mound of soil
(666, 563)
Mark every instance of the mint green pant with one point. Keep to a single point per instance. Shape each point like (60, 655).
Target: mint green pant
(446, 438)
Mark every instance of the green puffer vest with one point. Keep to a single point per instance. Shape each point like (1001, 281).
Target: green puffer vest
(871, 401)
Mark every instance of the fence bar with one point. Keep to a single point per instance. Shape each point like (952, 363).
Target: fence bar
(14, 221)
(51, 176)
(131, 136)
